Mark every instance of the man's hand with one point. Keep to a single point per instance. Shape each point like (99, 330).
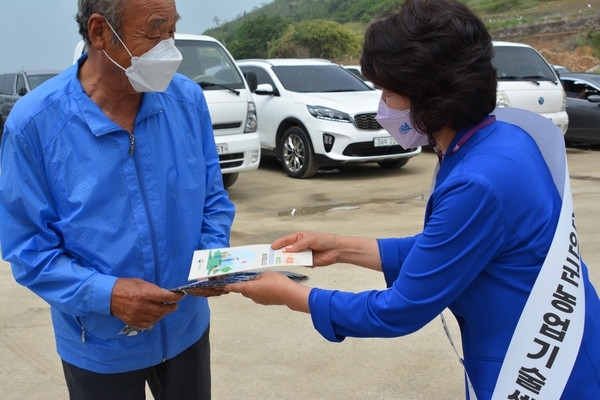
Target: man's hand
(140, 303)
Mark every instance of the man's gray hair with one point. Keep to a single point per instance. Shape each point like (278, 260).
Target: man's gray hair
(111, 10)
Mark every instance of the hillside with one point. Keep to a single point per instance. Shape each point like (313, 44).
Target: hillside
(557, 29)
(566, 32)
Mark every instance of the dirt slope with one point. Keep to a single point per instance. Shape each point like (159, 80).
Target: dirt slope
(554, 31)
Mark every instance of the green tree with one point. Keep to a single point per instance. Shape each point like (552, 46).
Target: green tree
(254, 35)
(316, 39)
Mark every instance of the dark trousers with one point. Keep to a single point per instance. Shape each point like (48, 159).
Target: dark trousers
(183, 377)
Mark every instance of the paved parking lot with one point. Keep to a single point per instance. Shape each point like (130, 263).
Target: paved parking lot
(270, 353)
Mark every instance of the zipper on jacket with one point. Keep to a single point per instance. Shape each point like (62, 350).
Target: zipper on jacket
(82, 329)
(131, 143)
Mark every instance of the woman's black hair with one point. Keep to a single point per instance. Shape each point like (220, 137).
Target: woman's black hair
(438, 54)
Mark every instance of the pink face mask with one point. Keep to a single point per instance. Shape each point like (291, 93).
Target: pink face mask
(398, 124)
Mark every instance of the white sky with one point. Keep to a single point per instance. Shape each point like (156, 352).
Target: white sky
(42, 34)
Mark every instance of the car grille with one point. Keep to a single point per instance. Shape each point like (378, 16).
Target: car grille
(366, 149)
(231, 160)
(367, 122)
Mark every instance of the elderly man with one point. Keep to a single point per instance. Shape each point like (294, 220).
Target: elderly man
(110, 180)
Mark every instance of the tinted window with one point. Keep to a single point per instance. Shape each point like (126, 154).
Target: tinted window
(208, 62)
(521, 63)
(318, 78)
(21, 88)
(7, 85)
(261, 75)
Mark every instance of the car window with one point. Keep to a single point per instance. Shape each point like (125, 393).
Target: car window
(578, 89)
(521, 63)
(7, 85)
(262, 76)
(36, 80)
(318, 78)
(206, 61)
(21, 87)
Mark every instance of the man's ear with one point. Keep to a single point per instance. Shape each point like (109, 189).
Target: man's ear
(99, 31)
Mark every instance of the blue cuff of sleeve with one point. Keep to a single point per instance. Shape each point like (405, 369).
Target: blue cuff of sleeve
(390, 259)
(319, 302)
(101, 292)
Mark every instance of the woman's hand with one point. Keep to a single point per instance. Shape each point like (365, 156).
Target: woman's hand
(273, 288)
(330, 249)
(323, 245)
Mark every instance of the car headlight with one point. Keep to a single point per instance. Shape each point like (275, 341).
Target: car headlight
(502, 99)
(329, 114)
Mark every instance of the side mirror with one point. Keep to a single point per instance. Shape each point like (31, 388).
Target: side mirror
(266, 89)
(251, 80)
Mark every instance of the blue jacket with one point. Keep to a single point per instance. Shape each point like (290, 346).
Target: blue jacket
(77, 211)
(488, 226)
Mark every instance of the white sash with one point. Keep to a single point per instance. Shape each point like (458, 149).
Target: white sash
(547, 338)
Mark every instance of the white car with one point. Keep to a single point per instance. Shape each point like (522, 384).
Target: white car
(526, 80)
(313, 113)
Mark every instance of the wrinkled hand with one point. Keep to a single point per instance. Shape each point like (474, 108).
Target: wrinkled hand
(273, 288)
(140, 303)
(323, 245)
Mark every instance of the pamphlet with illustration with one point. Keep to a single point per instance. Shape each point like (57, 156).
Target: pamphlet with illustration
(216, 262)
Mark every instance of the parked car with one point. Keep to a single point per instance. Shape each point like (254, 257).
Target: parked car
(583, 106)
(560, 69)
(15, 85)
(356, 70)
(314, 113)
(526, 80)
(233, 113)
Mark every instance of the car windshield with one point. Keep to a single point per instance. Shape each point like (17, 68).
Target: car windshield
(318, 79)
(206, 63)
(521, 63)
(36, 80)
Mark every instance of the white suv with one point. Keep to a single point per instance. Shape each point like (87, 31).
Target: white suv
(313, 113)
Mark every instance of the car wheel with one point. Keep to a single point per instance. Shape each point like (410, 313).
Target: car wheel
(393, 164)
(229, 179)
(296, 154)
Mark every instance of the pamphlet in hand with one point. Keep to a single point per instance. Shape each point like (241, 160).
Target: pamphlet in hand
(225, 261)
(217, 267)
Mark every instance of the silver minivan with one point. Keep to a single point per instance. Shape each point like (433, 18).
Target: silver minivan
(15, 85)
(526, 80)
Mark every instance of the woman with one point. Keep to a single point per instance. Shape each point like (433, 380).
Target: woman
(489, 222)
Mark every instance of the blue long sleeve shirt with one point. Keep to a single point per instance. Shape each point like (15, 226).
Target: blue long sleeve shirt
(78, 211)
(488, 226)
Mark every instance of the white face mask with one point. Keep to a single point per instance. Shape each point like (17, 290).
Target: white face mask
(153, 70)
(398, 124)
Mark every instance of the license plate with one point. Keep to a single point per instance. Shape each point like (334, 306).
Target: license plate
(222, 148)
(384, 141)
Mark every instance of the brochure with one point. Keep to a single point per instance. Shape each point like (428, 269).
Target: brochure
(218, 267)
(225, 261)
(233, 278)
